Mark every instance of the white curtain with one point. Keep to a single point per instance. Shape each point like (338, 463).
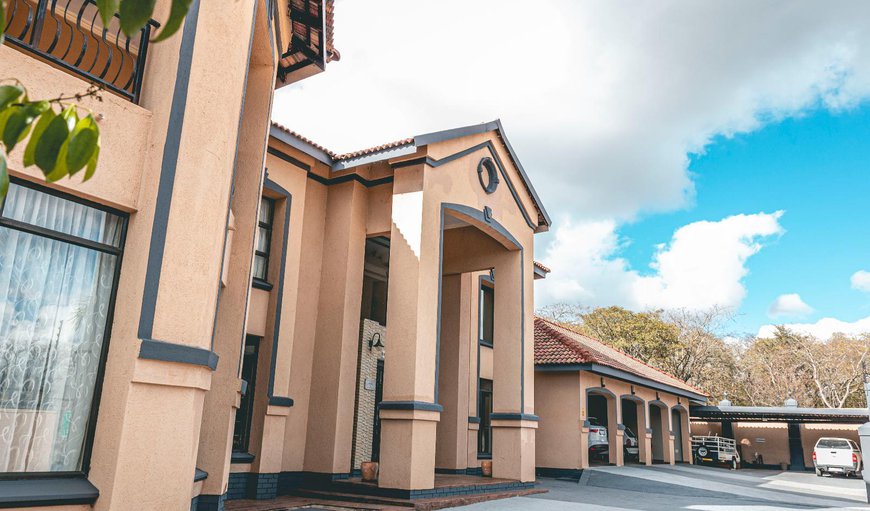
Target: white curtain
(54, 299)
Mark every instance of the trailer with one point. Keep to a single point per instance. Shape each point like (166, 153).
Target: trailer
(715, 450)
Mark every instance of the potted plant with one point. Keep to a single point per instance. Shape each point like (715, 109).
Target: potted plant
(486, 468)
(369, 470)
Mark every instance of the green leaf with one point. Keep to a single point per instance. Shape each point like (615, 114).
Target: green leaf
(4, 174)
(92, 163)
(9, 93)
(49, 144)
(18, 125)
(82, 144)
(135, 14)
(38, 130)
(176, 17)
(60, 169)
(108, 9)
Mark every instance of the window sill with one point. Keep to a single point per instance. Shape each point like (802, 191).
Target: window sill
(482, 456)
(47, 491)
(199, 475)
(241, 457)
(260, 284)
(485, 344)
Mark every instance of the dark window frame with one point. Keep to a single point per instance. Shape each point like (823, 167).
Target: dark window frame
(90, 434)
(486, 287)
(263, 282)
(484, 387)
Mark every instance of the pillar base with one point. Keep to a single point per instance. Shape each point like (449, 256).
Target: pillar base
(513, 449)
(407, 458)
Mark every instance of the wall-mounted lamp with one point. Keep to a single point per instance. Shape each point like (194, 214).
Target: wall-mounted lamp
(657, 396)
(602, 383)
(632, 390)
(376, 341)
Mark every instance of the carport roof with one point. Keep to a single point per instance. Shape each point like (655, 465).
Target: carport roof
(561, 349)
(780, 414)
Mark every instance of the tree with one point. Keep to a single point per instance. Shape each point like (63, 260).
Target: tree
(63, 142)
(643, 335)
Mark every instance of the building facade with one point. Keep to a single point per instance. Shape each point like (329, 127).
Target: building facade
(122, 299)
(228, 310)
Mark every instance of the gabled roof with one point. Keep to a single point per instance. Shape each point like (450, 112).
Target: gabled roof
(407, 146)
(559, 347)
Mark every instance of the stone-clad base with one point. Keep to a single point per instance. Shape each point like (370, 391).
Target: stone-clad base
(208, 503)
(245, 485)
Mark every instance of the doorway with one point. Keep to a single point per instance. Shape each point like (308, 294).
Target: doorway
(677, 425)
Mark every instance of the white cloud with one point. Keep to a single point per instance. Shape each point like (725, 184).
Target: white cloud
(788, 305)
(823, 328)
(861, 280)
(603, 100)
(703, 264)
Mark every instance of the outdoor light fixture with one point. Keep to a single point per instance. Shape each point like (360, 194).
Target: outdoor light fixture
(376, 341)
(632, 390)
(602, 382)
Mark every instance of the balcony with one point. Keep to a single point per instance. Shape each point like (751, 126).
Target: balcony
(70, 34)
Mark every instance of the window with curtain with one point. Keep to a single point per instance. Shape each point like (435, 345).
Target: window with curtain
(59, 262)
(264, 239)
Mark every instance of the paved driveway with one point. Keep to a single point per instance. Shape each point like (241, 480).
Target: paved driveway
(688, 487)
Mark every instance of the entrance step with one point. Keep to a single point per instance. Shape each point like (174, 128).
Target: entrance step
(416, 504)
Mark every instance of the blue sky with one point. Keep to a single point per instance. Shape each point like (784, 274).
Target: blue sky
(816, 168)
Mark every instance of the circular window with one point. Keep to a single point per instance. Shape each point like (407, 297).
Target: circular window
(488, 175)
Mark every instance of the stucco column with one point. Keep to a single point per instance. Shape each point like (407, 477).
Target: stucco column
(614, 431)
(513, 421)
(617, 454)
(646, 447)
(331, 406)
(409, 411)
(453, 369)
(162, 351)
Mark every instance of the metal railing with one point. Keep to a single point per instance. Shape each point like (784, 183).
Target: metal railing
(70, 34)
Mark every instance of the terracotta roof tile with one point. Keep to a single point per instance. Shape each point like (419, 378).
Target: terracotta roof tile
(542, 267)
(557, 345)
(345, 156)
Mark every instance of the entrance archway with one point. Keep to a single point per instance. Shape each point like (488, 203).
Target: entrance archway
(682, 434)
(634, 419)
(659, 421)
(602, 414)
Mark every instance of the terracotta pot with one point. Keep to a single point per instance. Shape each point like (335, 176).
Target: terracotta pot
(369, 470)
(486, 468)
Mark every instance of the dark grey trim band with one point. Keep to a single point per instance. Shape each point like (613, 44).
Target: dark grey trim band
(180, 353)
(474, 420)
(168, 167)
(514, 417)
(199, 475)
(410, 405)
(274, 187)
(280, 401)
(622, 375)
(368, 183)
(48, 491)
(241, 457)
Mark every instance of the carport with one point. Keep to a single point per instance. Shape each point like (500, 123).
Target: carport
(582, 384)
(770, 436)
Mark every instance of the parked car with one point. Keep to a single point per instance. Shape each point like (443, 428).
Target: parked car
(715, 450)
(837, 456)
(630, 445)
(598, 445)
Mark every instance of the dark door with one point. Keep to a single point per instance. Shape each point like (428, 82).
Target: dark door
(677, 425)
(795, 447)
(379, 396)
(242, 429)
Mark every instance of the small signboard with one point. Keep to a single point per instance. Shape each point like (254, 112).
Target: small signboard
(369, 384)
(759, 440)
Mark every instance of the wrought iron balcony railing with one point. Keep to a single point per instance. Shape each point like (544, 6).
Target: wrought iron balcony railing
(70, 34)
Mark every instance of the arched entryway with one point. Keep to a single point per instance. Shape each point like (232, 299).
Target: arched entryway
(682, 434)
(634, 420)
(659, 422)
(602, 415)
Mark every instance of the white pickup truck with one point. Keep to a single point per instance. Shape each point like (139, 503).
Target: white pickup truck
(837, 456)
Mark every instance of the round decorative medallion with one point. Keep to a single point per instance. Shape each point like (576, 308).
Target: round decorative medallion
(487, 174)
